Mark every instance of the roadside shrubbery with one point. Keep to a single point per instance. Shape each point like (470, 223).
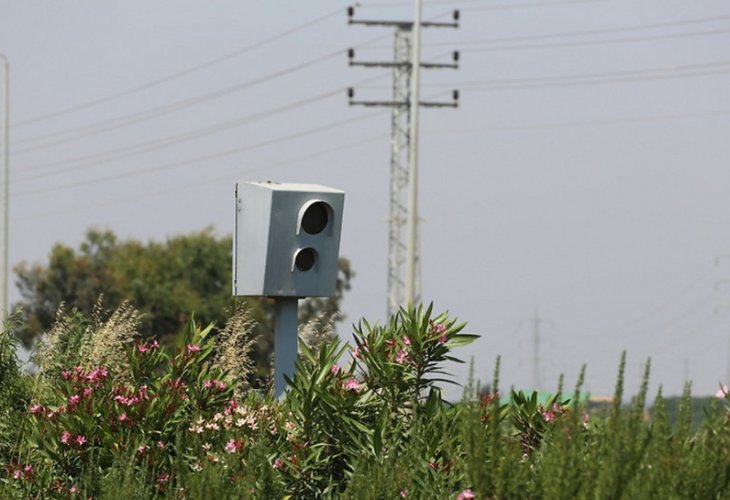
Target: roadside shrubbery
(109, 415)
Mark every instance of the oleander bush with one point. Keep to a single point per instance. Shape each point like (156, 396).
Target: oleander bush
(110, 414)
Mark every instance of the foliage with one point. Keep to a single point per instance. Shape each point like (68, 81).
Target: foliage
(366, 421)
(160, 280)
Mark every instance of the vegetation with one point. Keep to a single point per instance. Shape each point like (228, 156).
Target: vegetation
(163, 281)
(111, 413)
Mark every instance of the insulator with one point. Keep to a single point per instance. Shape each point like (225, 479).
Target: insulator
(455, 94)
(350, 11)
(456, 56)
(350, 92)
(351, 53)
(456, 15)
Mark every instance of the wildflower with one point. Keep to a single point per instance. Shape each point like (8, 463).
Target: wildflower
(438, 329)
(66, 374)
(123, 417)
(208, 384)
(65, 437)
(74, 400)
(143, 348)
(220, 385)
(161, 445)
(549, 415)
(163, 478)
(154, 344)
(88, 392)
(356, 352)
(335, 369)
(28, 469)
(16, 474)
(191, 348)
(80, 439)
(722, 392)
(465, 495)
(142, 449)
(278, 464)
(36, 409)
(442, 339)
(73, 489)
(352, 385)
(400, 356)
(406, 340)
(403, 493)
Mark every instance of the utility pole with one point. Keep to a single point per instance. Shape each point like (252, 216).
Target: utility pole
(404, 280)
(536, 320)
(5, 176)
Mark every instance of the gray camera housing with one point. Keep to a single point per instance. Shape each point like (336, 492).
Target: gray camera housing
(287, 239)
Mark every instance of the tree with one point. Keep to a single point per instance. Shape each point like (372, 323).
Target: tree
(165, 281)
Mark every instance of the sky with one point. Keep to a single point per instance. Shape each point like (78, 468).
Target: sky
(583, 179)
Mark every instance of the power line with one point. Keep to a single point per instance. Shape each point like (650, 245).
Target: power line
(213, 156)
(144, 147)
(588, 78)
(124, 121)
(608, 41)
(210, 180)
(583, 123)
(532, 5)
(567, 34)
(179, 74)
(103, 126)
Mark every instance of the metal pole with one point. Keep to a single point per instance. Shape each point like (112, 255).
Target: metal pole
(6, 183)
(412, 225)
(285, 341)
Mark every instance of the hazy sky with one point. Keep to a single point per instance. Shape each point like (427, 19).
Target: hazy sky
(585, 173)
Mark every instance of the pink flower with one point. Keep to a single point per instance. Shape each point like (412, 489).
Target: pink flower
(722, 392)
(465, 495)
(36, 409)
(192, 348)
(143, 348)
(549, 416)
(352, 385)
(154, 344)
(16, 474)
(73, 489)
(142, 448)
(163, 478)
(123, 417)
(335, 369)
(438, 330)
(356, 352)
(232, 446)
(220, 385)
(403, 493)
(28, 469)
(66, 374)
(278, 464)
(400, 356)
(65, 437)
(208, 384)
(442, 339)
(74, 400)
(80, 439)
(406, 340)
(88, 392)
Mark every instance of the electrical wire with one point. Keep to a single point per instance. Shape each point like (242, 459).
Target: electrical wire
(133, 118)
(208, 181)
(602, 31)
(588, 78)
(178, 74)
(144, 147)
(213, 156)
(607, 41)
(125, 121)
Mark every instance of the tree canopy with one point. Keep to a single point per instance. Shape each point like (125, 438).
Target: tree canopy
(166, 281)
